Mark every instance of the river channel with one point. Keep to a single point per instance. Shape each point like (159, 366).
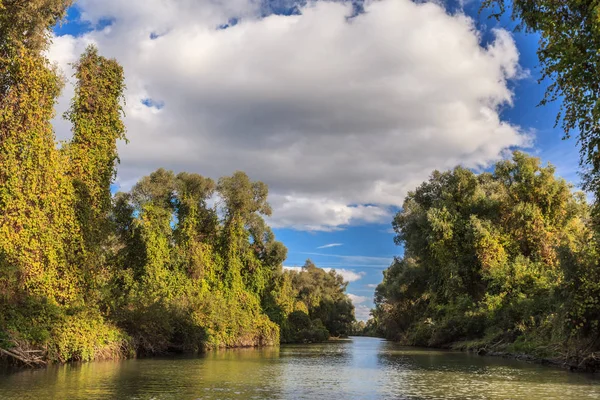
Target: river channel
(357, 368)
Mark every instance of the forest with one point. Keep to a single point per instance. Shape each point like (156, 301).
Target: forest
(507, 260)
(498, 261)
(180, 263)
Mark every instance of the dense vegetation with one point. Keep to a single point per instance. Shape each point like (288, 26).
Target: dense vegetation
(569, 33)
(179, 263)
(502, 258)
(368, 328)
(321, 308)
(509, 259)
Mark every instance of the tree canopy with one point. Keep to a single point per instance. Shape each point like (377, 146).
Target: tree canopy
(568, 54)
(178, 263)
(506, 256)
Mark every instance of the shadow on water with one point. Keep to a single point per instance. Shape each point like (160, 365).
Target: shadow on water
(361, 368)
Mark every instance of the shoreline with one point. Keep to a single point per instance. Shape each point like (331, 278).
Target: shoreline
(589, 364)
(580, 366)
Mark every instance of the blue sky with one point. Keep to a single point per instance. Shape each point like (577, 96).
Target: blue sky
(355, 237)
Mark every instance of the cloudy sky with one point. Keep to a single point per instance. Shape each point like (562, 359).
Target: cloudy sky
(341, 108)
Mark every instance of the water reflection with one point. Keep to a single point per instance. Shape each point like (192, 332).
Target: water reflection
(362, 368)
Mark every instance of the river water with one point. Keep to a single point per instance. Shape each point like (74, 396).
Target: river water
(358, 368)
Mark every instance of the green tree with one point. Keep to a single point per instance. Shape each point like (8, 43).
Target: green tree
(96, 115)
(27, 23)
(568, 53)
(43, 288)
(324, 294)
(501, 255)
(35, 194)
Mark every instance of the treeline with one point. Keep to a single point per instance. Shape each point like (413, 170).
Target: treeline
(368, 328)
(310, 305)
(503, 260)
(179, 263)
(509, 260)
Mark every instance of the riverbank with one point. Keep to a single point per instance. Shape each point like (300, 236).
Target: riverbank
(575, 360)
(361, 368)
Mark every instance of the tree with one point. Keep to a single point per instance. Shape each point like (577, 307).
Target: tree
(96, 115)
(43, 295)
(568, 53)
(501, 255)
(324, 295)
(27, 23)
(37, 229)
(247, 245)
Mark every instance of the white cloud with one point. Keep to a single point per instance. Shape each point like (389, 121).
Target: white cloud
(362, 312)
(372, 285)
(330, 245)
(357, 299)
(352, 261)
(317, 214)
(341, 117)
(348, 275)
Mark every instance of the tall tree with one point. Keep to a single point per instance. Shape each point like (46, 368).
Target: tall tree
(28, 22)
(493, 255)
(568, 53)
(96, 114)
(37, 222)
(25, 27)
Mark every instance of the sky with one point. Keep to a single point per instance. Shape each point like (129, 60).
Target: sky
(340, 107)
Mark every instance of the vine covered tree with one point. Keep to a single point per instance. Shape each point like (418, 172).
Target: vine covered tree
(503, 257)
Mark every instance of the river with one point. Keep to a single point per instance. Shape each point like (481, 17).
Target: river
(358, 368)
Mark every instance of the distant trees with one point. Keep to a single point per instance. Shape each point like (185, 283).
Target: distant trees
(369, 328)
(310, 304)
(508, 256)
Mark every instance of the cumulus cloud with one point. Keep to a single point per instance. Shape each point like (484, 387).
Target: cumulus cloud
(357, 299)
(362, 312)
(340, 260)
(330, 245)
(340, 116)
(348, 275)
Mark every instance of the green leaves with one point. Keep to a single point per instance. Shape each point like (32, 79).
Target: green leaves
(568, 54)
(502, 251)
(96, 115)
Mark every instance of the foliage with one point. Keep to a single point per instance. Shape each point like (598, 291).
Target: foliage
(568, 53)
(369, 328)
(300, 329)
(45, 293)
(179, 263)
(96, 118)
(27, 23)
(504, 256)
(37, 228)
(309, 303)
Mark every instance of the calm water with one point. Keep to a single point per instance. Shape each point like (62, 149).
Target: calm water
(361, 368)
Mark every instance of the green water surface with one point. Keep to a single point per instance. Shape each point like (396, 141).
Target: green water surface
(358, 368)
